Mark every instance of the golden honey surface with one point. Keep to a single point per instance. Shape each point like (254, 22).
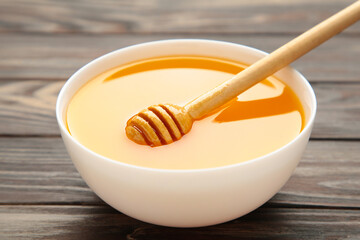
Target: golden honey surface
(259, 121)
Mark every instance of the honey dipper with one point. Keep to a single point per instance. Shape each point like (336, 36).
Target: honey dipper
(165, 123)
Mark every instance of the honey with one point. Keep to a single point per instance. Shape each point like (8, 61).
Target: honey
(261, 120)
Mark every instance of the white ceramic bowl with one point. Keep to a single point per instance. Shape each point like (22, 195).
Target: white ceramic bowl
(186, 198)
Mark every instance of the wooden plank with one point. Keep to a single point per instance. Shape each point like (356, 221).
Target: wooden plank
(328, 175)
(38, 170)
(162, 16)
(100, 222)
(57, 57)
(338, 112)
(27, 108)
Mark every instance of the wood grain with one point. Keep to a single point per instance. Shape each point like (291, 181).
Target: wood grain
(38, 170)
(28, 108)
(328, 175)
(101, 222)
(49, 57)
(338, 113)
(162, 16)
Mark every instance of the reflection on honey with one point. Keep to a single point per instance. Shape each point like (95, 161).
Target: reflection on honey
(175, 62)
(259, 121)
(285, 102)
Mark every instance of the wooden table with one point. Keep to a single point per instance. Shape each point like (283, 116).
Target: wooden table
(43, 42)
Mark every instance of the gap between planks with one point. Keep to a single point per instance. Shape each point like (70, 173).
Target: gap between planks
(265, 205)
(169, 34)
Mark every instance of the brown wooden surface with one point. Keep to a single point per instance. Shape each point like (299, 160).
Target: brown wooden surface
(49, 57)
(101, 222)
(43, 42)
(166, 16)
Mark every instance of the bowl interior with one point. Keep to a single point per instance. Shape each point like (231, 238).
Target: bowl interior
(217, 49)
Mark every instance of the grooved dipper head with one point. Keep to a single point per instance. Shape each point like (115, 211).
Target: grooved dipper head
(159, 125)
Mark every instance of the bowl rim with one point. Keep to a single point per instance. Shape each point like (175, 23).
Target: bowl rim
(73, 77)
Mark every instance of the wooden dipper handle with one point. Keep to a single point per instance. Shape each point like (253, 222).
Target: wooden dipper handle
(163, 124)
(273, 62)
